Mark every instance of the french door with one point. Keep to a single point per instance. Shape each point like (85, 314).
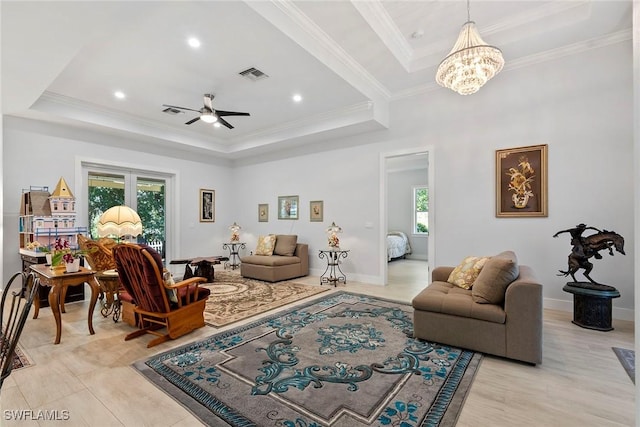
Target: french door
(145, 192)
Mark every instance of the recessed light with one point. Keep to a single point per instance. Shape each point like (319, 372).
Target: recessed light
(297, 97)
(119, 94)
(217, 125)
(194, 42)
(417, 34)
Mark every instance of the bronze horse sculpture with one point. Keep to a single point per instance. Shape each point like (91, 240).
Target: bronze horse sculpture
(587, 247)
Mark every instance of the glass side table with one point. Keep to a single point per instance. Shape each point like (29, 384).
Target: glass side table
(234, 258)
(333, 274)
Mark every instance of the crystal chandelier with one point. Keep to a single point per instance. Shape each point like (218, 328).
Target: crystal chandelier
(471, 63)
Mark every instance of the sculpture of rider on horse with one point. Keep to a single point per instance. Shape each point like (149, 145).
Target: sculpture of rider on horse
(587, 247)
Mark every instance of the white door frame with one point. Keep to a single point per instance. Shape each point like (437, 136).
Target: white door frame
(171, 197)
(431, 257)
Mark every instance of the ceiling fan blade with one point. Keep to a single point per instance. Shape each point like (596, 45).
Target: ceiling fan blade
(224, 122)
(230, 113)
(180, 108)
(192, 121)
(208, 101)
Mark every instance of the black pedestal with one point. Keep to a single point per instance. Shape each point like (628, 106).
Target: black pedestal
(592, 304)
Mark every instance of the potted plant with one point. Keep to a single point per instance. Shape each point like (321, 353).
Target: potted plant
(62, 256)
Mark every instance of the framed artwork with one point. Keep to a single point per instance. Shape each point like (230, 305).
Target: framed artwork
(315, 211)
(288, 207)
(521, 182)
(207, 205)
(263, 212)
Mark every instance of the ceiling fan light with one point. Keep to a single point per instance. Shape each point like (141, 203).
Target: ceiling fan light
(209, 118)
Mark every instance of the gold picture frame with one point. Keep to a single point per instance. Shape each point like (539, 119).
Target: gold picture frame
(316, 211)
(263, 212)
(521, 182)
(288, 207)
(207, 205)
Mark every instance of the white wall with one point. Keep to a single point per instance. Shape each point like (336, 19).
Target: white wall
(32, 156)
(581, 106)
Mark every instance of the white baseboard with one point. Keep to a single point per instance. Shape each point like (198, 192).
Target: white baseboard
(564, 305)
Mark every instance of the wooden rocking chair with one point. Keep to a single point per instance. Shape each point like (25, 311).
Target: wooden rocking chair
(140, 269)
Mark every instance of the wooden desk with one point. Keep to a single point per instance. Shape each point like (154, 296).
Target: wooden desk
(59, 281)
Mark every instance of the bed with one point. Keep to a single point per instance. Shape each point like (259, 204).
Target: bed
(397, 245)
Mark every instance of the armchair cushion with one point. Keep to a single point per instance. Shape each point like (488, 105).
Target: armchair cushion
(285, 244)
(496, 275)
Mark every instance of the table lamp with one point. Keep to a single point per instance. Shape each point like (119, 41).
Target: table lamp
(119, 221)
(235, 232)
(332, 235)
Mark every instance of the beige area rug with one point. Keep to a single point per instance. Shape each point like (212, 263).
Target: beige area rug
(235, 298)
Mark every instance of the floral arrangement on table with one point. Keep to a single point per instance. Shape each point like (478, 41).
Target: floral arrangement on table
(334, 241)
(235, 236)
(520, 183)
(61, 252)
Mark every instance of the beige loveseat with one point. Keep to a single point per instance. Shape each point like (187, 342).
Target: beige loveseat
(503, 316)
(289, 260)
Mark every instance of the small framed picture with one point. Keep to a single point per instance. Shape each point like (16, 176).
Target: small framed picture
(288, 207)
(315, 211)
(207, 205)
(263, 212)
(521, 182)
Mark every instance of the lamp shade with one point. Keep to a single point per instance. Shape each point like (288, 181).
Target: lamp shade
(333, 228)
(119, 221)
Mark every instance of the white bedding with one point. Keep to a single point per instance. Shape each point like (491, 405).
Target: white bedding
(397, 245)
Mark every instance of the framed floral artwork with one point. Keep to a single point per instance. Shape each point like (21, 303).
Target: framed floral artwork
(521, 182)
(263, 212)
(207, 205)
(288, 207)
(315, 211)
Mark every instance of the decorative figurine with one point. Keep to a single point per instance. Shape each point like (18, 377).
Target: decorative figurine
(587, 247)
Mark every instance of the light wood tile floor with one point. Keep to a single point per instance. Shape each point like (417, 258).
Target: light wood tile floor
(580, 382)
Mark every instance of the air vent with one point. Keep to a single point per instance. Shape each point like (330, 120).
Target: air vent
(253, 74)
(172, 111)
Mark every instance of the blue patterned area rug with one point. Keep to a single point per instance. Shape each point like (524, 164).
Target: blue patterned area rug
(341, 360)
(628, 360)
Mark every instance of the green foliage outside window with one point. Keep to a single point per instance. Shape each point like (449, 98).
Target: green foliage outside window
(150, 208)
(421, 200)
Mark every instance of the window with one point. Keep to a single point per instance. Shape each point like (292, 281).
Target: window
(143, 191)
(420, 210)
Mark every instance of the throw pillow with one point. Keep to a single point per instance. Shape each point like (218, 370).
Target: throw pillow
(266, 245)
(467, 271)
(496, 275)
(285, 244)
(168, 280)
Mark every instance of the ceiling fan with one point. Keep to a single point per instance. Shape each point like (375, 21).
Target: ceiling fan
(208, 114)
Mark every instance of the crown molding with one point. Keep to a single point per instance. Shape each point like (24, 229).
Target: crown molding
(383, 25)
(537, 58)
(571, 49)
(326, 121)
(72, 108)
(289, 19)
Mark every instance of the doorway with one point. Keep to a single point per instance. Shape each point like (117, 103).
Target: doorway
(406, 211)
(143, 191)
